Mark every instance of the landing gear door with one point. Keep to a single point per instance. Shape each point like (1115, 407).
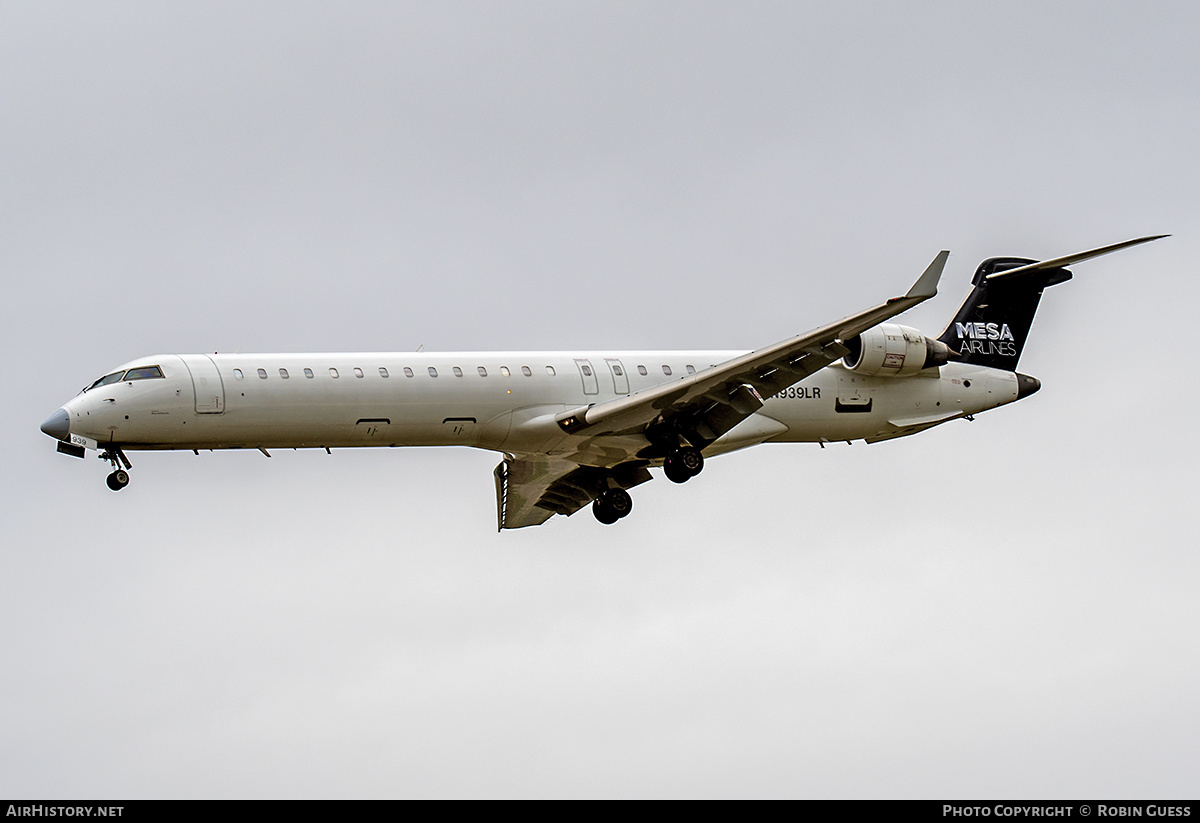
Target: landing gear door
(590, 384)
(206, 381)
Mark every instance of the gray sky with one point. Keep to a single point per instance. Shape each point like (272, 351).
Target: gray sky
(1004, 608)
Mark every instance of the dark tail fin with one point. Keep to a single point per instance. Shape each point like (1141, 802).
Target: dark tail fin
(991, 326)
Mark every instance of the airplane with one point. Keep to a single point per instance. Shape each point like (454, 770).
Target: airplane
(585, 427)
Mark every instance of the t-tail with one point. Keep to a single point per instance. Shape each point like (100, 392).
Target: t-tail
(993, 324)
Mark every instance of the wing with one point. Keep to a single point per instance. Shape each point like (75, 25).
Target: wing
(531, 489)
(614, 442)
(705, 405)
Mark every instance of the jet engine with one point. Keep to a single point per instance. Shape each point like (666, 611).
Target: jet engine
(890, 350)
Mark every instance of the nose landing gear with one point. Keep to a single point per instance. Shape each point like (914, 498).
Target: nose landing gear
(119, 478)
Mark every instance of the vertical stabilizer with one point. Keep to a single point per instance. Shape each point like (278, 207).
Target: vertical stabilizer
(991, 327)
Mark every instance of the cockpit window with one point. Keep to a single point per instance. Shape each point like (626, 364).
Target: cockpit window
(143, 373)
(108, 378)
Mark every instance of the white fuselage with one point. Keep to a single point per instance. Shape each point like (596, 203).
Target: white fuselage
(499, 401)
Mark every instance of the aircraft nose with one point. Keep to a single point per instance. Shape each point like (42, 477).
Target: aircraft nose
(58, 425)
(1027, 385)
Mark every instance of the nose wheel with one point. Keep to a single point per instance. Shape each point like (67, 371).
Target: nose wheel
(119, 478)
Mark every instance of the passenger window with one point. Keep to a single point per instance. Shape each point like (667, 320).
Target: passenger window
(237, 374)
(457, 371)
(308, 373)
(143, 373)
(667, 370)
(382, 372)
(482, 371)
(262, 373)
(333, 373)
(432, 371)
(642, 371)
(283, 373)
(550, 370)
(504, 371)
(691, 369)
(408, 372)
(617, 370)
(525, 370)
(587, 371)
(357, 372)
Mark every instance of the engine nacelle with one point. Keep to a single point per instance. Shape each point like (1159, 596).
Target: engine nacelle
(890, 350)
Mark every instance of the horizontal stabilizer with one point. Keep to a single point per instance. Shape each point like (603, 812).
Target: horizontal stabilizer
(1060, 262)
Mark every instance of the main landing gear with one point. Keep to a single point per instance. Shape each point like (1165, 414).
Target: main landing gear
(614, 503)
(612, 506)
(683, 464)
(119, 478)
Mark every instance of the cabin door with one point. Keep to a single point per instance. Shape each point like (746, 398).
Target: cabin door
(206, 382)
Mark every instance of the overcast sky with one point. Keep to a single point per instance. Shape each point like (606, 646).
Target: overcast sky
(1003, 608)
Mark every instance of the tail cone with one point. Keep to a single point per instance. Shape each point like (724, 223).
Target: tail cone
(1027, 385)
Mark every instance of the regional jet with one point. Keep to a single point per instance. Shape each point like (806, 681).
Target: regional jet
(584, 427)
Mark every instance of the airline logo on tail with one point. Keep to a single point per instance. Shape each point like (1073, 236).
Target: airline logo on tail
(986, 338)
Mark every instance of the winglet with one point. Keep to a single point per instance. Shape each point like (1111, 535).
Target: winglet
(1060, 262)
(926, 285)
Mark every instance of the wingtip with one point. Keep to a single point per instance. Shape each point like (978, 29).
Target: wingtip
(927, 283)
